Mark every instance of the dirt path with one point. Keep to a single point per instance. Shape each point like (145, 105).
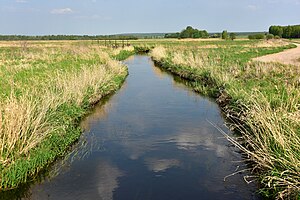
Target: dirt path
(291, 56)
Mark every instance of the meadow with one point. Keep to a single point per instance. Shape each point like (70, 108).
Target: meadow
(261, 100)
(46, 88)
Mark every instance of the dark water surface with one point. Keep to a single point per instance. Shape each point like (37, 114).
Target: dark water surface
(151, 140)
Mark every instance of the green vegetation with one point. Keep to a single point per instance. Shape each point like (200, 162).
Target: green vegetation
(224, 35)
(285, 31)
(261, 99)
(45, 90)
(232, 36)
(189, 32)
(46, 87)
(256, 37)
(269, 36)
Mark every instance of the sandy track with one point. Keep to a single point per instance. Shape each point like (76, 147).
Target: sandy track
(291, 56)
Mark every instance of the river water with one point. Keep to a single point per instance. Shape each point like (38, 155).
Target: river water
(153, 139)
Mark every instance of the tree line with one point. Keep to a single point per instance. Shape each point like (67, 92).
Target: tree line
(285, 31)
(189, 32)
(66, 37)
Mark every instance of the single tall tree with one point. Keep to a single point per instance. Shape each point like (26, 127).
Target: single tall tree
(224, 35)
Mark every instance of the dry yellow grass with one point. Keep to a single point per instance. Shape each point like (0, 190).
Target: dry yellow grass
(23, 125)
(26, 112)
(269, 96)
(159, 53)
(73, 86)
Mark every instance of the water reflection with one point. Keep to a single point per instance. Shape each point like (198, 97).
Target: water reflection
(100, 112)
(82, 186)
(158, 72)
(160, 165)
(189, 139)
(152, 140)
(107, 180)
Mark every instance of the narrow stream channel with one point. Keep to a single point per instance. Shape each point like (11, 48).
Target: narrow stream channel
(151, 140)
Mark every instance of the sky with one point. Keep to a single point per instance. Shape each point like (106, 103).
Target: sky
(102, 17)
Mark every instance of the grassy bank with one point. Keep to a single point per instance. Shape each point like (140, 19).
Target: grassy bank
(262, 100)
(45, 90)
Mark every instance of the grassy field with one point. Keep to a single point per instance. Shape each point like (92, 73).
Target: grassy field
(46, 87)
(261, 99)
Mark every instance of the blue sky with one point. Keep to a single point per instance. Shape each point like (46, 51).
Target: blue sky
(93, 17)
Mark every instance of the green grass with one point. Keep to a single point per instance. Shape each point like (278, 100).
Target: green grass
(262, 100)
(45, 91)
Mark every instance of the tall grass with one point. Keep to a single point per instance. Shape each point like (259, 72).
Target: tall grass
(23, 125)
(46, 92)
(262, 99)
(273, 142)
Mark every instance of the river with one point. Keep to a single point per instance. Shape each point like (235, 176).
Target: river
(153, 139)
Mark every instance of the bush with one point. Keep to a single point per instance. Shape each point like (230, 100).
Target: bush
(277, 37)
(269, 36)
(256, 37)
(232, 36)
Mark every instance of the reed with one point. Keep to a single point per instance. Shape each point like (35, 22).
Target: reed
(262, 99)
(45, 92)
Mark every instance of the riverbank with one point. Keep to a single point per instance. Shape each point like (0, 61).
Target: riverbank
(45, 91)
(262, 100)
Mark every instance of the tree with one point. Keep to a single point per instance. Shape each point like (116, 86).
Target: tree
(204, 34)
(232, 36)
(285, 31)
(276, 30)
(190, 32)
(224, 35)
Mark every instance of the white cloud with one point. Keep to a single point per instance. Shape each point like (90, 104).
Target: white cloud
(62, 11)
(160, 165)
(253, 7)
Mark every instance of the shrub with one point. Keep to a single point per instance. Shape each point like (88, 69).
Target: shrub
(269, 36)
(256, 37)
(277, 37)
(232, 36)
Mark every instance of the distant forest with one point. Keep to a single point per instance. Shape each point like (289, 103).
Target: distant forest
(66, 37)
(285, 31)
(189, 32)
